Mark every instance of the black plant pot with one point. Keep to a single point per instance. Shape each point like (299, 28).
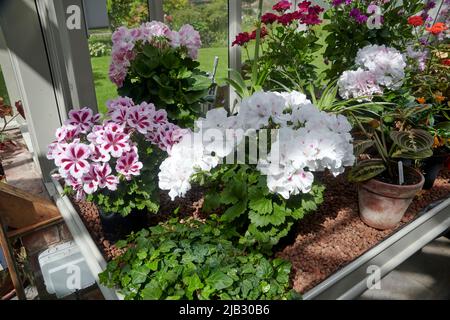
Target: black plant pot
(431, 168)
(116, 227)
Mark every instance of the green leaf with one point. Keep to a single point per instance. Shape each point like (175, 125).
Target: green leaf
(151, 52)
(201, 83)
(261, 205)
(219, 280)
(360, 146)
(193, 282)
(121, 244)
(412, 140)
(166, 246)
(152, 291)
(142, 254)
(414, 155)
(139, 275)
(443, 125)
(235, 211)
(265, 287)
(264, 269)
(366, 170)
(212, 202)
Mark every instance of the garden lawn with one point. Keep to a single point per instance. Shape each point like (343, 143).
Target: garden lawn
(106, 90)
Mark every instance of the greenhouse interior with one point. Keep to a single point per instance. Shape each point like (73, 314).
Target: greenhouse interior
(224, 150)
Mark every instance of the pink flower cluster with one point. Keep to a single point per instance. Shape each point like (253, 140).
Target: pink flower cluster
(124, 42)
(86, 151)
(146, 120)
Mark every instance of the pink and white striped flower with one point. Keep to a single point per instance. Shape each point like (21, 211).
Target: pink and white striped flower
(170, 134)
(114, 140)
(77, 186)
(96, 133)
(83, 119)
(119, 102)
(90, 181)
(73, 160)
(139, 118)
(120, 116)
(160, 117)
(99, 154)
(105, 178)
(129, 165)
(55, 150)
(67, 133)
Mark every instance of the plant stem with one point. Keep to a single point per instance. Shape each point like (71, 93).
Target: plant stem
(257, 43)
(6, 122)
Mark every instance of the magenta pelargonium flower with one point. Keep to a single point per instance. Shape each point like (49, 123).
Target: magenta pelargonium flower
(169, 134)
(74, 159)
(114, 140)
(129, 165)
(105, 178)
(92, 156)
(140, 118)
(84, 119)
(282, 6)
(90, 181)
(119, 103)
(67, 133)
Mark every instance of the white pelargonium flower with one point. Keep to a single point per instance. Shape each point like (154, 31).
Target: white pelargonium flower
(308, 140)
(256, 111)
(358, 84)
(185, 159)
(387, 64)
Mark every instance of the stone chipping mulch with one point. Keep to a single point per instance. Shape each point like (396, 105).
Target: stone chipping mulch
(334, 235)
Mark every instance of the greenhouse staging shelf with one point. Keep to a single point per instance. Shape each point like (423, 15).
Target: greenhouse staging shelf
(347, 282)
(81, 236)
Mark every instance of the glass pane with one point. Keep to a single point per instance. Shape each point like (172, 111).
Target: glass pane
(3, 91)
(210, 18)
(129, 13)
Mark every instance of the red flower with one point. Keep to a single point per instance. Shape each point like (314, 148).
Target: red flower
(287, 18)
(241, 39)
(415, 21)
(311, 19)
(446, 62)
(303, 6)
(262, 34)
(282, 6)
(437, 28)
(269, 18)
(315, 10)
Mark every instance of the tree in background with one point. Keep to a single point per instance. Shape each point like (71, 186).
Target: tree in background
(128, 13)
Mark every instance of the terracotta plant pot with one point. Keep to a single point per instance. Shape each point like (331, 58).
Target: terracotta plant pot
(382, 205)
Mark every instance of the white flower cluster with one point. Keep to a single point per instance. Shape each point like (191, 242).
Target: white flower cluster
(308, 140)
(378, 67)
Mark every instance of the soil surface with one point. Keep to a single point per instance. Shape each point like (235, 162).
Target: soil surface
(334, 235)
(320, 244)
